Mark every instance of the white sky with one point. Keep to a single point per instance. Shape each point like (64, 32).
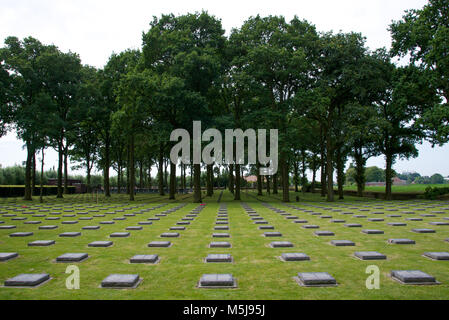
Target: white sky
(96, 28)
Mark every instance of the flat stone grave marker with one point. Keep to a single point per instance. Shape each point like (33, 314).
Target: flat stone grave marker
(170, 235)
(281, 244)
(360, 216)
(178, 228)
(218, 258)
(261, 222)
(324, 233)
(72, 257)
(53, 218)
(69, 222)
(48, 227)
(91, 228)
(154, 219)
(272, 234)
(70, 234)
(373, 232)
(338, 221)
(401, 241)
(134, 228)
(220, 245)
(311, 227)
(7, 227)
(100, 244)
(41, 243)
(295, 257)
(27, 280)
(414, 277)
(428, 215)
(423, 231)
(370, 255)
(33, 222)
(107, 222)
(221, 228)
(119, 219)
(326, 217)
(437, 255)
(145, 223)
(316, 279)
(217, 281)
(69, 216)
(397, 224)
(21, 234)
(152, 259)
(439, 223)
(266, 228)
(414, 219)
(160, 244)
(121, 281)
(120, 235)
(376, 220)
(300, 221)
(221, 235)
(353, 225)
(5, 256)
(342, 243)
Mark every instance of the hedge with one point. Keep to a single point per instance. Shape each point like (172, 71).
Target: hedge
(19, 191)
(433, 193)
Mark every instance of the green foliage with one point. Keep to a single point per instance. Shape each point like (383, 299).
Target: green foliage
(434, 193)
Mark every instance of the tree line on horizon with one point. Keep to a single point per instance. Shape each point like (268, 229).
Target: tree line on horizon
(331, 98)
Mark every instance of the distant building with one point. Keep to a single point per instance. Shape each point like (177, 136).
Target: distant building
(251, 179)
(396, 182)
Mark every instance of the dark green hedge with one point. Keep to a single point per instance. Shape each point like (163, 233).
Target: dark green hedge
(433, 193)
(19, 191)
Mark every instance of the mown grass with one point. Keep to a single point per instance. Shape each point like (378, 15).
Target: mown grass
(260, 274)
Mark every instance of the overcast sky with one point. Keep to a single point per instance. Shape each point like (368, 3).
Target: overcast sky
(96, 28)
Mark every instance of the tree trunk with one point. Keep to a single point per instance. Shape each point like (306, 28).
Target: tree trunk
(66, 169)
(33, 176)
(107, 165)
(60, 160)
(132, 170)
(285, 180)
(119, 179)
(28, 169)
(231, 178)
(323, 165)
(329, 167)
(312, 188)
(165, 174)
(268, 185)
(340, 174)
(128, 188)
(360, 179)
(41, 195)
(259, 181)
(237, 183)
(304, 180)
(275, 183)
(209, 181)
(296, 178)
(172, 181)
(197, 196)
(141, 174)
(389, 176)
(161, 172)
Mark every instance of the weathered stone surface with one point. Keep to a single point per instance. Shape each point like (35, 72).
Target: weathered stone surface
(27, 280)
(5, 256)
(373, 231)
(220, 245)
(295, 257)
(217, 281)
(72, 257)
(316, 279)
(120, 235)
(217, 258)
(159, 244)
(91, 228)
(101, 244)
(134, 228)
(70, 234)
(423, 231)
(437, 255)
(342, 243)
(353, 225)
(401, 241)
(311, 227)
(281, 244)
(21, 234)
(48, 227)
(153, 258)
(272, 234)
(221, 235)
(41, 243)
(370, 255)
(121, 281)
(324, 233)
(413, 277)
(170, 235)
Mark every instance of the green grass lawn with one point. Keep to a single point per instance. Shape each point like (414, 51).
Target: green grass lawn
(259, 273)
(411, 188)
